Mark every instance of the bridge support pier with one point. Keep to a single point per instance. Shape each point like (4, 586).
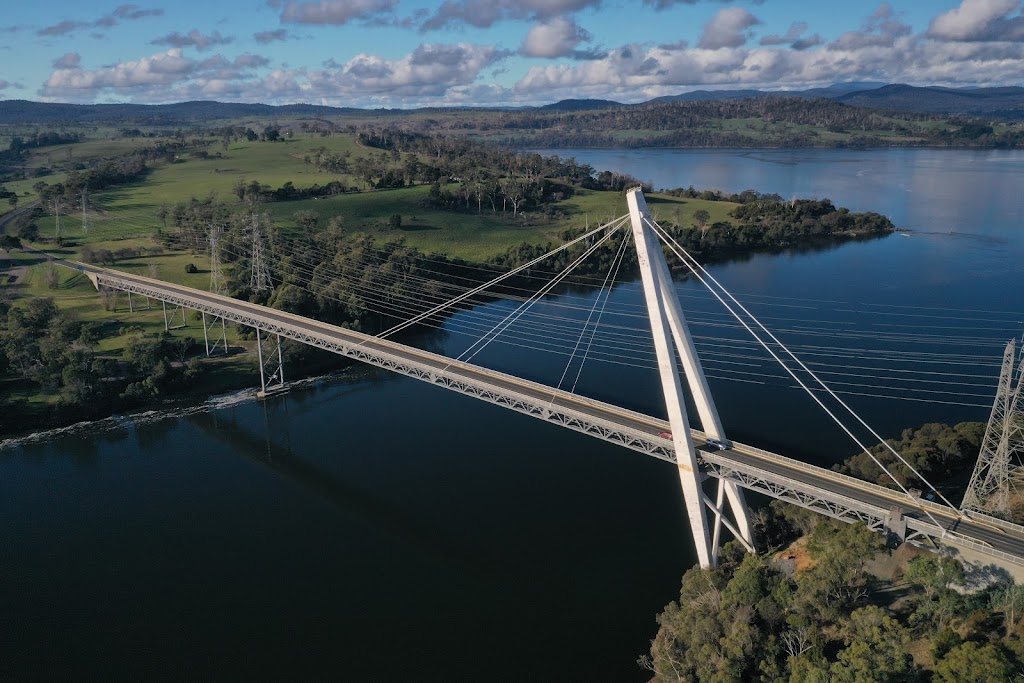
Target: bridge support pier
(271, 377)
(671, 336)
(177, 311)
(217, 341)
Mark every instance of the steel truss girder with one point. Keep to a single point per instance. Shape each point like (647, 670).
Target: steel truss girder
(714, 464)
(805, 496)
(546, 410)
(909, 529)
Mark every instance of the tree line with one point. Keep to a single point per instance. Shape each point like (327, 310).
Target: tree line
(45, 350)
(785, 121)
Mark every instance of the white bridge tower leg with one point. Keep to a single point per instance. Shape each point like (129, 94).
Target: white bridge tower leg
(671, 335)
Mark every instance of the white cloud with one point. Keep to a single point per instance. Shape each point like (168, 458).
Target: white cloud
(430, 69)
(885, 50)
(557, 37)
(193, 38)
(162, 68)
(666, 4)
(156, 77)
(122, 13)
(980, 20)
(71, 60)
(264, 37)
(727, 28)
(793, 37)
(485, 13)
(334, 12)
(881, 29)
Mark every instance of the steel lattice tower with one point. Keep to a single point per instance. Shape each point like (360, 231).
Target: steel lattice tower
(989, 490)
(58, 204)
(260, 265)
(216, 274)
(85, 216)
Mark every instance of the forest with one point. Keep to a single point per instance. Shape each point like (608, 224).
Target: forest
(849, 610)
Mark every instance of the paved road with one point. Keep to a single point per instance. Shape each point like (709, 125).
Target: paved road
(11, 215)
(1003, 538)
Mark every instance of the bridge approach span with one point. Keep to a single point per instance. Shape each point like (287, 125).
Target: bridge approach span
(816, 488)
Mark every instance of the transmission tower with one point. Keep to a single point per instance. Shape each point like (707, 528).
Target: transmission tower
(85, 216)
(216, 275)
(989, 490)
(58, 204)
(260, 263)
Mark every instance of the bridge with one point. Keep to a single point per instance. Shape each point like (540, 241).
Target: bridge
(700, 455)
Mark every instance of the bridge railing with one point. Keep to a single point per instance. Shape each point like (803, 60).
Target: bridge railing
(989, 519)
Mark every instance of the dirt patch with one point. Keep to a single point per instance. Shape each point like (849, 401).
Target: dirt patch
(794, 558)
(890, 566)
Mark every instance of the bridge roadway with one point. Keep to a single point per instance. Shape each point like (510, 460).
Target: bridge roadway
(815, 488)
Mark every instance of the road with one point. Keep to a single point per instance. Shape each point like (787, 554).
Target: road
(11, 215)
(596, 418)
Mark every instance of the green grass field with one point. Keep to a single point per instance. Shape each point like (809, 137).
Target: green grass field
(124, 216)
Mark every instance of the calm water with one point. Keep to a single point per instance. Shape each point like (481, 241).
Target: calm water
(381, 529)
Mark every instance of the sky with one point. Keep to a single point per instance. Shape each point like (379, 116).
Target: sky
(409, 53)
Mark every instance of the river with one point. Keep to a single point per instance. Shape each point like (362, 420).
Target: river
(375, 528)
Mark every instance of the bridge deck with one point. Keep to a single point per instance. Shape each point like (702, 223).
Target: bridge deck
(816, 488)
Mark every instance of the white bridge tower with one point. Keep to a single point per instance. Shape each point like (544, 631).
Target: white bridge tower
(671, 336)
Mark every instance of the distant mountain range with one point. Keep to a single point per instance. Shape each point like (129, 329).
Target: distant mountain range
(1004, 102)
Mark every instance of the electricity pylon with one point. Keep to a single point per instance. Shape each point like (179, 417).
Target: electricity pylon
(260, 264)
(989, 490)
(58, 204)
(216, 274)
(85, 216)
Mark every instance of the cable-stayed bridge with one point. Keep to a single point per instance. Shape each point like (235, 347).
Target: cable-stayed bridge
(700, 455)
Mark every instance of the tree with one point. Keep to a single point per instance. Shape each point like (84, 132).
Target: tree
(702, 217)
(395, 221)
(9, 242)
(837, 581)
(52, 275)
(876, 650)
(307, 220)
(13, 201)
(1009, 600)
(974, 663)
(934, 574)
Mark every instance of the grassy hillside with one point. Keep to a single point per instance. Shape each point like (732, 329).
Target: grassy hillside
(131, 212)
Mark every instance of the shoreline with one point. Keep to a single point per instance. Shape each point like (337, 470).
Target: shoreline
(177, 406)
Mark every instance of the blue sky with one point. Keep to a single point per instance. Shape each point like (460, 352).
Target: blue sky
(405, 53)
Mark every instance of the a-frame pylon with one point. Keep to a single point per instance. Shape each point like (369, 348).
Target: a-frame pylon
(1003, 444)
(671, 336)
